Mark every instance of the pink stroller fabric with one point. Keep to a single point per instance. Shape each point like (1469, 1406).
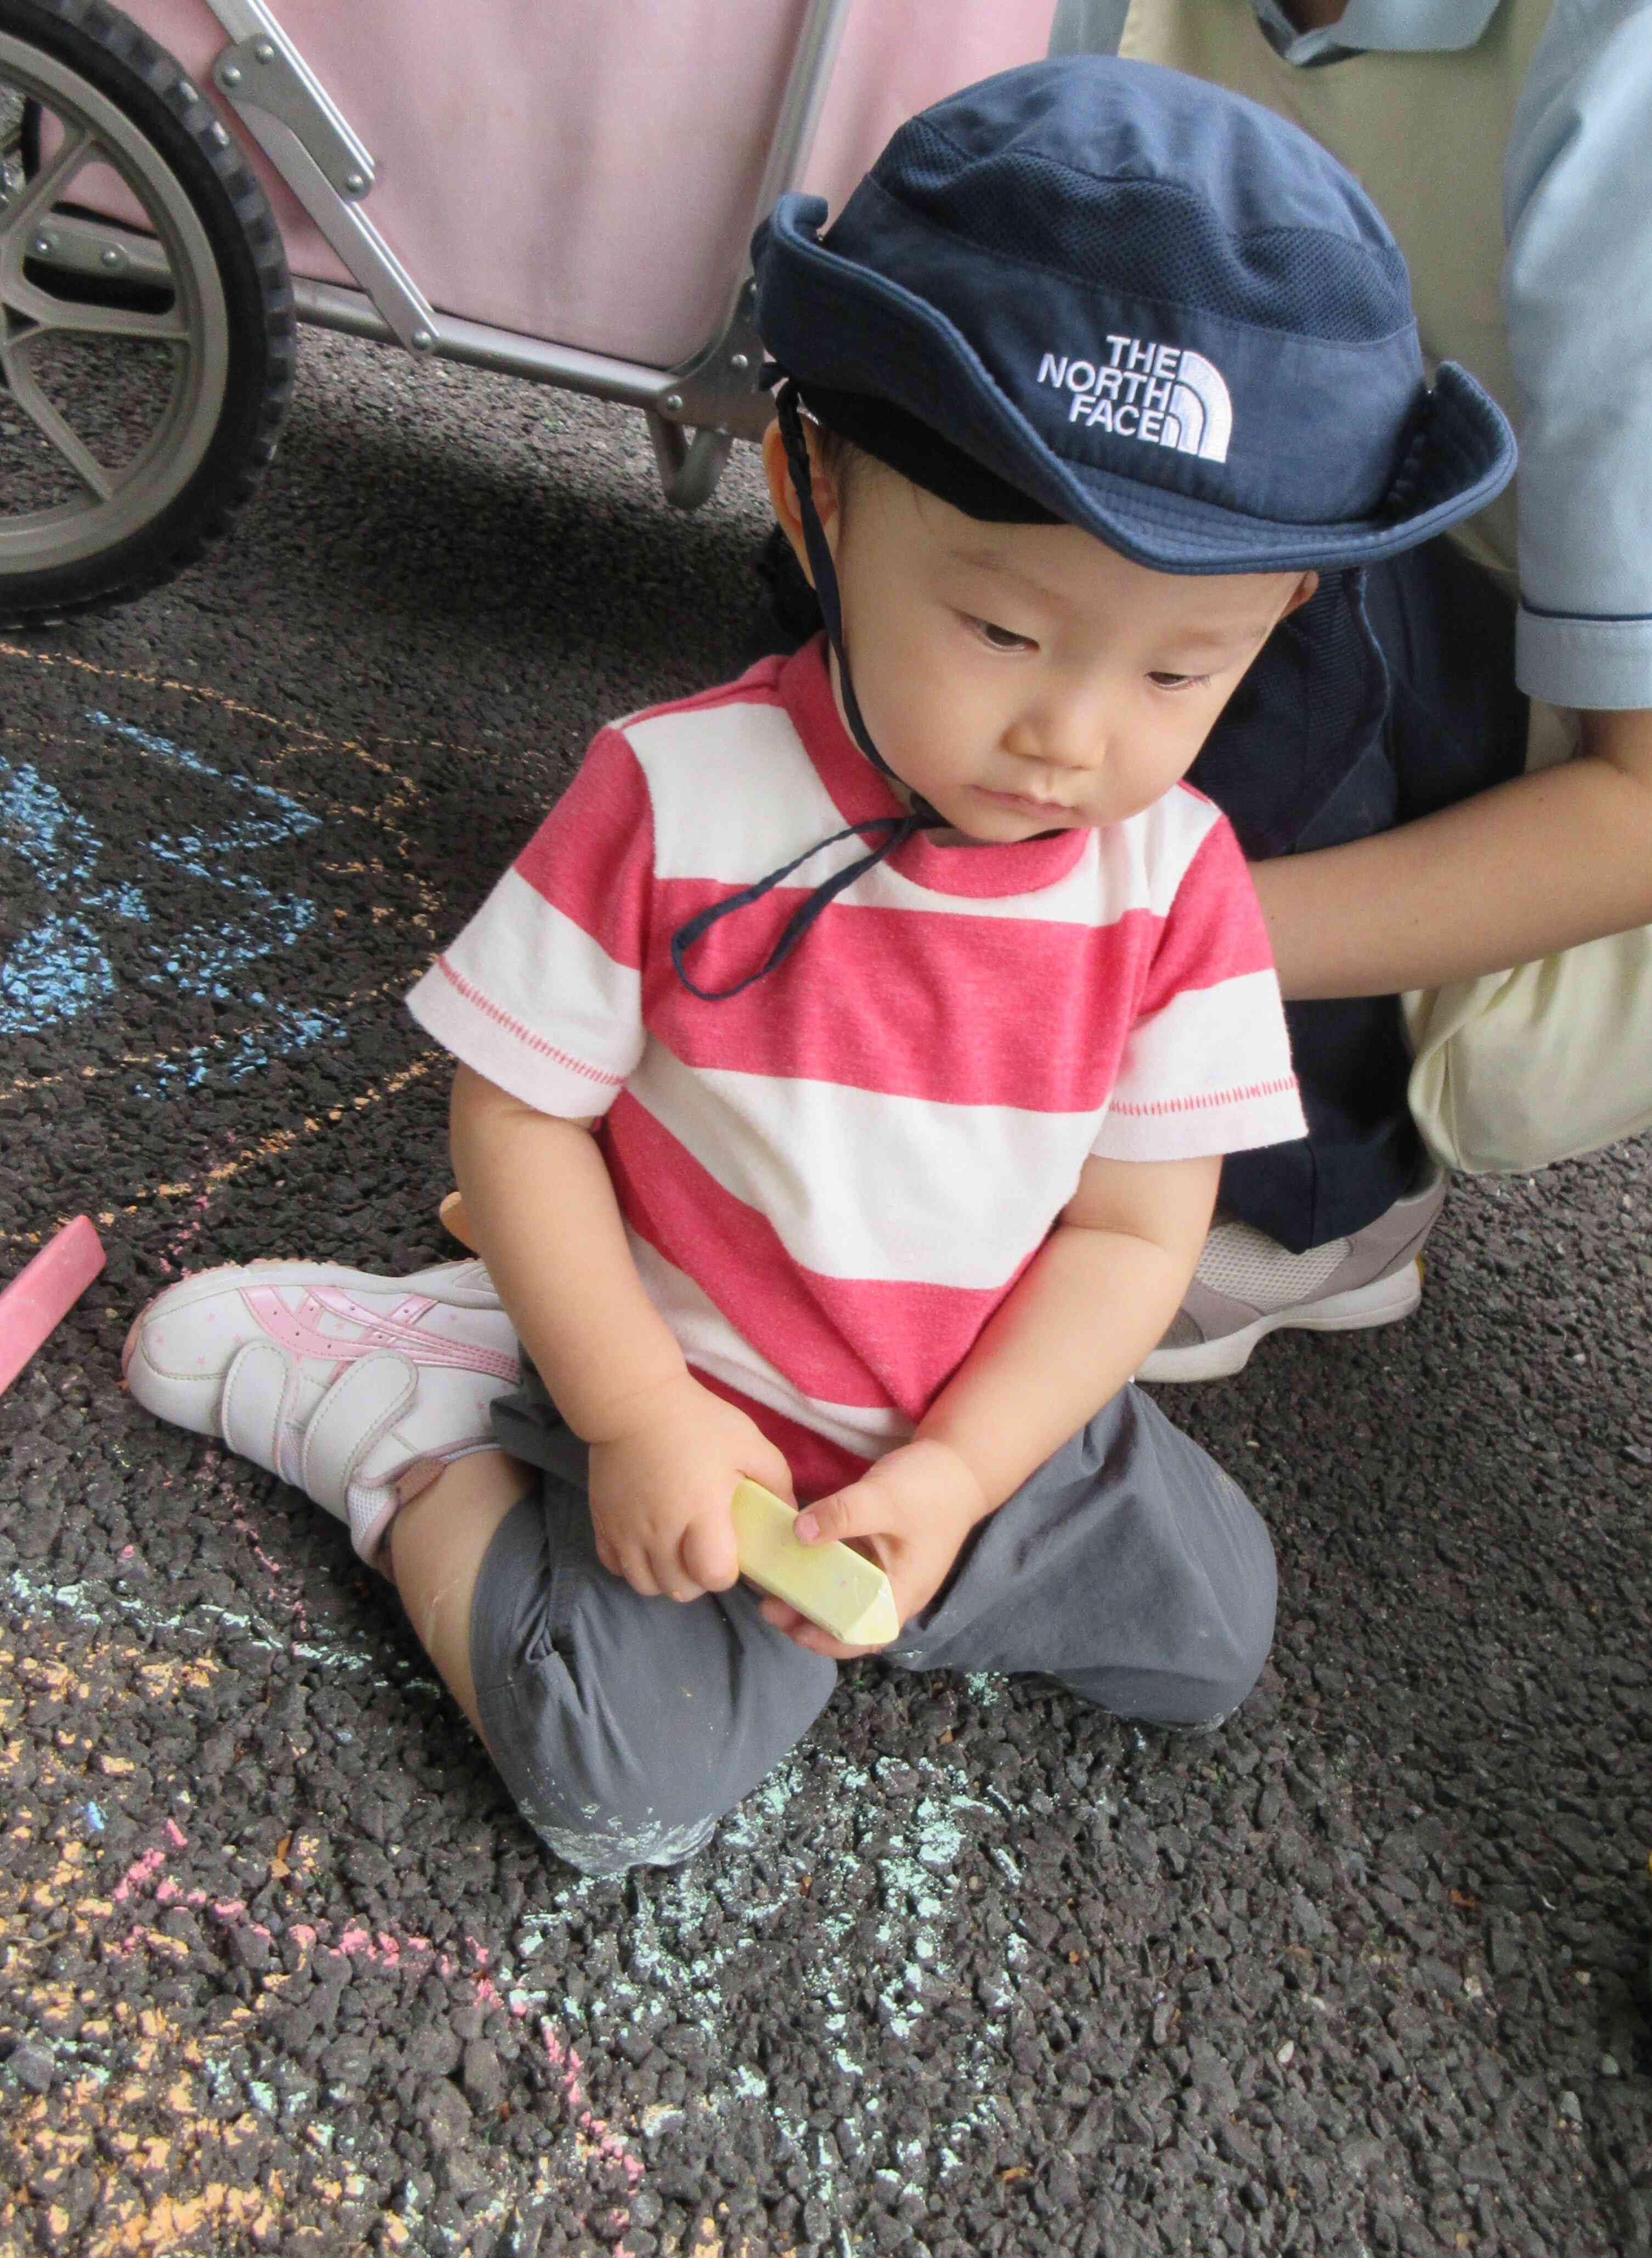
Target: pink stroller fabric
(587, 173)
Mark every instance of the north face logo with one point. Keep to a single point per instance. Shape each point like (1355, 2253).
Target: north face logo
(1166, 395)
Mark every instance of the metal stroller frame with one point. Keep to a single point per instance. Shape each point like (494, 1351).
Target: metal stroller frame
(61, 270)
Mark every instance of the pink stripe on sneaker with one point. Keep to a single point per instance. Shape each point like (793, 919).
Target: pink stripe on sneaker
(299, 1332)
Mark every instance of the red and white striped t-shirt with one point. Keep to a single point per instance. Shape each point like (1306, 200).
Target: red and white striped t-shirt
(832, 1180)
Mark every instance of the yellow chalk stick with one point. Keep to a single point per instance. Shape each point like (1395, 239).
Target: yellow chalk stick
(833, 1585)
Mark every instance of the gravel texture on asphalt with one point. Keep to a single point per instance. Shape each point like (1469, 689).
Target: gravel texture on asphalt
(979, 1970)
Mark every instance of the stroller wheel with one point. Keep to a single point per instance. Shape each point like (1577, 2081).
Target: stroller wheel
(146, 359)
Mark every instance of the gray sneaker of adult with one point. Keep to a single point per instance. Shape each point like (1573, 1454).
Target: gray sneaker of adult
(1247, 1285)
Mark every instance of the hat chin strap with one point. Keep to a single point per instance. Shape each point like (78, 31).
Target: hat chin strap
(896, 829)
(824, 574)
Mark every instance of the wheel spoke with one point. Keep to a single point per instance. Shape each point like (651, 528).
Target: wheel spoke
(49, 182)
(46, 421)
(45, 312)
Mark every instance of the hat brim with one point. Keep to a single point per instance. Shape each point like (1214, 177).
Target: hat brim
(847, 326)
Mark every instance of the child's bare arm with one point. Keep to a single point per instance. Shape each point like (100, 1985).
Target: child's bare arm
(1095, 1299)
(667, 1455)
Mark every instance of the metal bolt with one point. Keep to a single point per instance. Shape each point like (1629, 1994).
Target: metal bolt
(265, 51)
(356, 182)
(740, 361)
(672, 403)
(112, 257)
(422, 340)
(231, 75)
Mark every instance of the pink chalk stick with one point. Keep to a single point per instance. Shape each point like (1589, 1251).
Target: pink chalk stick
(44, 1292)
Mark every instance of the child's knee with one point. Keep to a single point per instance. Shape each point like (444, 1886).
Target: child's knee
(607, 1845)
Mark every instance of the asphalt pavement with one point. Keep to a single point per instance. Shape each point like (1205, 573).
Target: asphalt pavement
(979, 1970)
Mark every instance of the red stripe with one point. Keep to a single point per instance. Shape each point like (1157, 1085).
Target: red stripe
(1214, 930)
(870, 1342)
(593, 857)
(819, 1466)
(964, 1010)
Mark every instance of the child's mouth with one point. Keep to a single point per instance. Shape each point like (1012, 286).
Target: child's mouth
(1024, 804)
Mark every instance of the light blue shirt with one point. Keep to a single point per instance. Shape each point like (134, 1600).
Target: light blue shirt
(1578, 294)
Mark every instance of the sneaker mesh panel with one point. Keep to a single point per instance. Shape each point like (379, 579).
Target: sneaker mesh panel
(1252, 1268)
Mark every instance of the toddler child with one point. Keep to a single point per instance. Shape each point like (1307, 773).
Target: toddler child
(876, 1186)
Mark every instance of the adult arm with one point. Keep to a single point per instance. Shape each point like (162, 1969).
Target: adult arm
(1562, 857)
(1513, 874)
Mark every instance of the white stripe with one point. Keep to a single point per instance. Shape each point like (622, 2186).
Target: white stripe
(1202, 1131)
(1231, 1036)
(534, 1004)
(713, 1346)
(861, 1184)
(734, 796)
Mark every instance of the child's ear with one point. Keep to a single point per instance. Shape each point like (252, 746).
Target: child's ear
(1304, 587)
(783, 494)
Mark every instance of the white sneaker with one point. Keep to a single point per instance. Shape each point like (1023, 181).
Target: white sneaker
(356, 1390)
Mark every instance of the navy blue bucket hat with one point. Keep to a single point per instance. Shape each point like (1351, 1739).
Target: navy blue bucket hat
(1141, 305)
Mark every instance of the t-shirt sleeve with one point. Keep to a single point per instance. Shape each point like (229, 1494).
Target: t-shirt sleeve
(1206, 1065)
(542, 992)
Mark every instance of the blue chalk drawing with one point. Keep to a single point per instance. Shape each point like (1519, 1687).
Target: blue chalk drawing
(60, 967)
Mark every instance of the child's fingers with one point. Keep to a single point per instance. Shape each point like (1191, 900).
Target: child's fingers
(708, 1553)
(635, 1566)
(853, 1512)
(768, 1466)
(803, 1633)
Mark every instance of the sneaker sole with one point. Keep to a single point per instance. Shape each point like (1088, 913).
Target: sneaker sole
(1382, 1302)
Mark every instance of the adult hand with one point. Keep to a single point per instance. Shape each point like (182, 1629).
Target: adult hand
(910, 1513)
(662, 1489)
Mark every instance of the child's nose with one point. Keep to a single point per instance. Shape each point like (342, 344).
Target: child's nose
(1062, 733)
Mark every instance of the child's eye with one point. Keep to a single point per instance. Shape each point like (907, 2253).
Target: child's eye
(999, 638)
(1165, 681)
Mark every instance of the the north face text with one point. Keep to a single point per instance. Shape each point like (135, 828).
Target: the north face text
(1168, 396)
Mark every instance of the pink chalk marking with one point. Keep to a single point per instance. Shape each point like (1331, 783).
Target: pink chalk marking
(138, 1873)
(606, 2142)
(180, 1840)
(168, 1893)
(44, 1292)
(127, 1551)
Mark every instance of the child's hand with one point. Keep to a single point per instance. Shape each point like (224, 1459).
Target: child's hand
(910, 1512)
(662, 1490)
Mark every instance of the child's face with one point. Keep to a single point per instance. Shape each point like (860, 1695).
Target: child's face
(1026, 677)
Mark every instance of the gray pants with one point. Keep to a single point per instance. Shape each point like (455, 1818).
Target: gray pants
(1130, 1568)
